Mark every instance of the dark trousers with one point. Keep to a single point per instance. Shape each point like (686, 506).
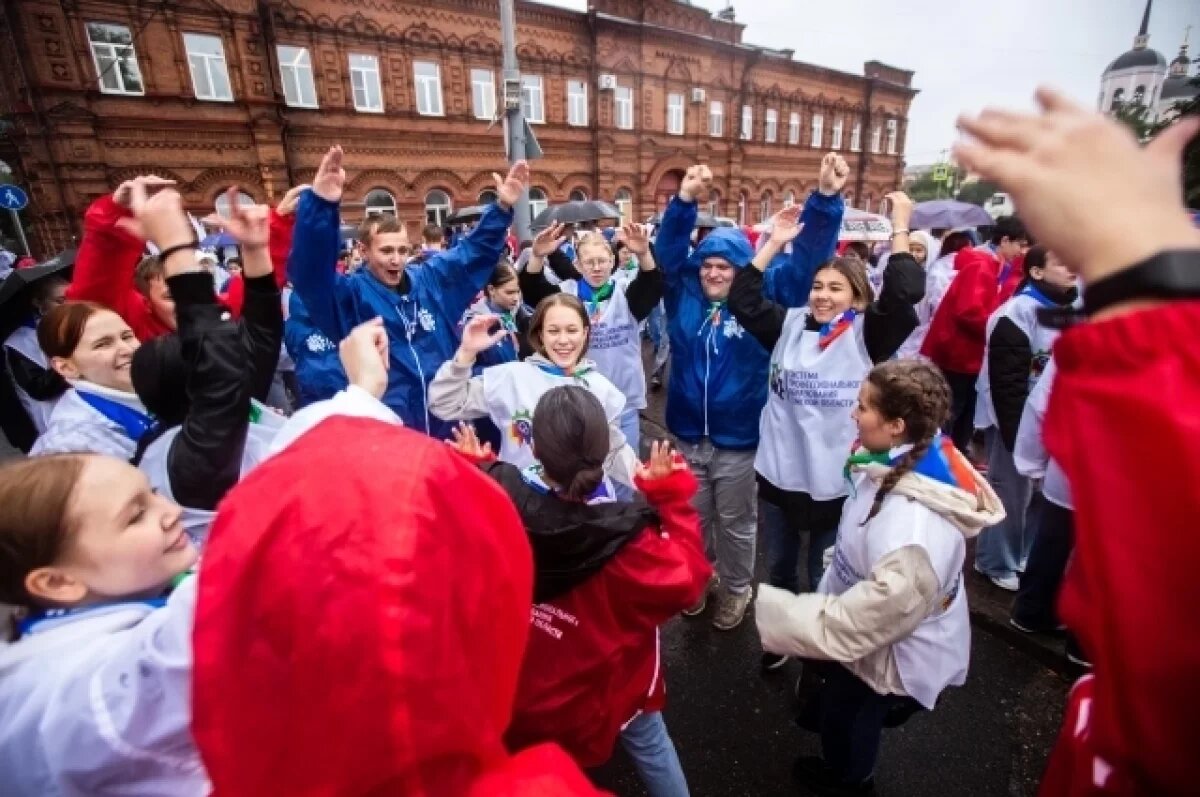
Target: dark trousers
(851, 716)
(961, 423)
(1034, 604)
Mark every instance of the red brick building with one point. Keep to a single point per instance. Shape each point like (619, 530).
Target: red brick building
(252, 92)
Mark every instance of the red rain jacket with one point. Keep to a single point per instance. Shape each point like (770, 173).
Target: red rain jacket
(958, 333)
(369, 644)
(1123, 424)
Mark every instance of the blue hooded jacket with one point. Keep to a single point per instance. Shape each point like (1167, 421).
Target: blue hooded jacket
(319, 373)
(718, 378)
(421, 324)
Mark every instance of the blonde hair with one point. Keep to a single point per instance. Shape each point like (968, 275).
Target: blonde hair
(591, 238)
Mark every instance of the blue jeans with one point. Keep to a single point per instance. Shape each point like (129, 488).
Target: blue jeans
(782, 543)
(1003, 549)
(647, 742)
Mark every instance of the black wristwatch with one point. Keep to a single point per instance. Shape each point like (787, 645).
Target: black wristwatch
(1173, 274)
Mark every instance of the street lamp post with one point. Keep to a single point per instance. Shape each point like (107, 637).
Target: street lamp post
(514, 115)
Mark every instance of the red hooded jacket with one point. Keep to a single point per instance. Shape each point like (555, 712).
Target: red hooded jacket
(958, 332)
(368, 645)
(1123, 424)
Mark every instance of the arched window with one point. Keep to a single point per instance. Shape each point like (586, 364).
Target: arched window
(487, 196)
(624, 203)
(1139, 95)
(789, 198)
(537, 202)
(578, 195)
(380, 202)
(222, 202)
(714, 203)
(437, 207)
(743, 207)
(766, 206)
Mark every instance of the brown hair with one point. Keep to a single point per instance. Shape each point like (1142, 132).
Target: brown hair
(61, 329)
(503, 273)
(432, 234)
(570, 439)
(916, 393)
(855, 274)
(34, 530)
(378, 225)
(148, 269)
(539, 318)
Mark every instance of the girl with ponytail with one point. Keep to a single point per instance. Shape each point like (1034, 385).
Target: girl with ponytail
(888, 623)
(608, 573)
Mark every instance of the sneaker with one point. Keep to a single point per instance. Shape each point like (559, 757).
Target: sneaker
(813, 772)
(773, 661)
(731, 608)
(714, 581)
(1009, 583)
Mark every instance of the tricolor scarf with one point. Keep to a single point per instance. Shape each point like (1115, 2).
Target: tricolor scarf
(835, 328)
(29, 624)
(942, 462)
(135, 424)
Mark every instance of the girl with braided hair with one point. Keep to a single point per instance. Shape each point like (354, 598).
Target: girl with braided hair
(888, 621)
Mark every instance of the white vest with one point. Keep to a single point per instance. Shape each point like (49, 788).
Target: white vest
(615, 344)
(76, 427)
(806, 431)
(512, 391)
(1022, 310)
(24, 342)
(937, 653)
(196, 522)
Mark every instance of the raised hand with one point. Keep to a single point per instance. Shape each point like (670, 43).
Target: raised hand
(481, 333)
(636, 238)
(364, 355)
(249, 224)
(785, 225)
(662, 463)
(901, 208)
(696, 183)
(834, 173)
(510, 188)
(159, 216)
(548, 240)
(466, 441)
(287, 205)
(123, 196)
(331, 177)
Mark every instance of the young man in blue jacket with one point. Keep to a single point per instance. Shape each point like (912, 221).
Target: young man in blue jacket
(718, 377)
(420, 307)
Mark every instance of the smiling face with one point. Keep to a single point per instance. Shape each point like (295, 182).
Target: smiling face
(831, 295)
(103, 354)
(564, 336)
(875, 432)
(594, 260)
(716, 276)
(387, 255)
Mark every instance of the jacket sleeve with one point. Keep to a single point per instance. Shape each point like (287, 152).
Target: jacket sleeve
(1029, 453)
(461, 272)
(456, 395)
(262, 330)
(666, 569)
(535, 287)
(280, 244)
(644, 293)
(1009, 356)
(42, 384)
(790, 284)
(674, 241)
(14, 420)
(558, 262)
(105, 264)
(622, 461)
(205, 460)
(891, 318)
(900, 591)
(972, 298)
(311, 265)
(760, 316)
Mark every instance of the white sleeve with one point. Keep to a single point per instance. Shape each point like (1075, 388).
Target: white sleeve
(353, 402)
(456, 395)
(1029, 454)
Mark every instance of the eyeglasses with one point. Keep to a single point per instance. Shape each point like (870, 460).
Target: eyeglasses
(596, 262)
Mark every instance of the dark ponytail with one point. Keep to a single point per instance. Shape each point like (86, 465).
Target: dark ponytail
(571, 439)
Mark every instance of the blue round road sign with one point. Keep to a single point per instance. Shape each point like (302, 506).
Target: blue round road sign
(12, 198)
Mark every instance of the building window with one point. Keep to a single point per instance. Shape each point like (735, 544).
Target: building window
(1118, 98)
(1139, 95)
(818, 124)
(221, 203)
(487, 196)
(714, 203)
(295, 68)
(772, 131)
(747, 130)
(577, 110)
(743, 204)
(837, 133)
(624, 202)
(380, 202)
(483, 94)
(893, 128)
(532, 99)
(114, 57)
(537, 202)
(206, 60)
(364, 80)
(856, 136)
(876, 134)
(794, 128)
(765, 206)
(624, 100)
(578, 195)
(716, 119)
(789, 199)
(428, 82)
(675, 114)
(437, 207)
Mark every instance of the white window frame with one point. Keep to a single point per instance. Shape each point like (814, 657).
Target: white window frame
(208, 62)
(366, 73)
(716, 118)
(577, 103)
(746, 132)
(771, 133)
(624, 203)
(766, 206)
(876, 134)
(428, 89)
(836, 133)
(818, 130)
(379, 210)
(291, 70)
(483, 93)
(893, 132)
(539, 203)
(577, 195)
(115, 53)
(794, 128)
(623, 107)
(856, 136)
(675, 114)
(441, 210)
(532, 88)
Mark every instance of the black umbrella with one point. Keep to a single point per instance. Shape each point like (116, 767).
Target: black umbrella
(467, 214)
(704, 221)
(579, 212)
(22, 278)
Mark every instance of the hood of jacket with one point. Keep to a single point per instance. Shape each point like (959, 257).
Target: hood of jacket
(397, 615)
(729, 243)
(932, 247)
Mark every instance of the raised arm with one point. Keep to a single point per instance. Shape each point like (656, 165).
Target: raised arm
(820, 224)
(646, 289)
(754, 310)
(674, 241)
(532, 278)
(454, 394)
(311, 266)
(891, 318)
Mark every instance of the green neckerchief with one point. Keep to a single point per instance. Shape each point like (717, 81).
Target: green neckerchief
(863, 457)
(594, 296)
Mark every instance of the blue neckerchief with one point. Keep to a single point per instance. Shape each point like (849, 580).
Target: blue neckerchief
(134, 423)
(26, 626)
(532, 476)
(592, 297)
(1031, 290)
(577, 373)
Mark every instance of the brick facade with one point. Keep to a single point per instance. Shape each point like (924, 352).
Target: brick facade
(69, 142)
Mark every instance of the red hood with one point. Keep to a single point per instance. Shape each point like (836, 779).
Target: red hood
(969, 257)
(362, 615)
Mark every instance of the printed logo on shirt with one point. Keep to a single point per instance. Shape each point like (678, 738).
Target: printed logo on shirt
(317, 343)
(520, 428)
(544, 615)
(842, 570)
(608, 336)
(1037, 366)
(808, 388)
(426, 320)
(732, 328)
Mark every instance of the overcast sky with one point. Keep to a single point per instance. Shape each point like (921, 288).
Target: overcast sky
(966, 53)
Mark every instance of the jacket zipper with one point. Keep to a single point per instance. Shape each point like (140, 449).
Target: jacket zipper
(408, 335)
